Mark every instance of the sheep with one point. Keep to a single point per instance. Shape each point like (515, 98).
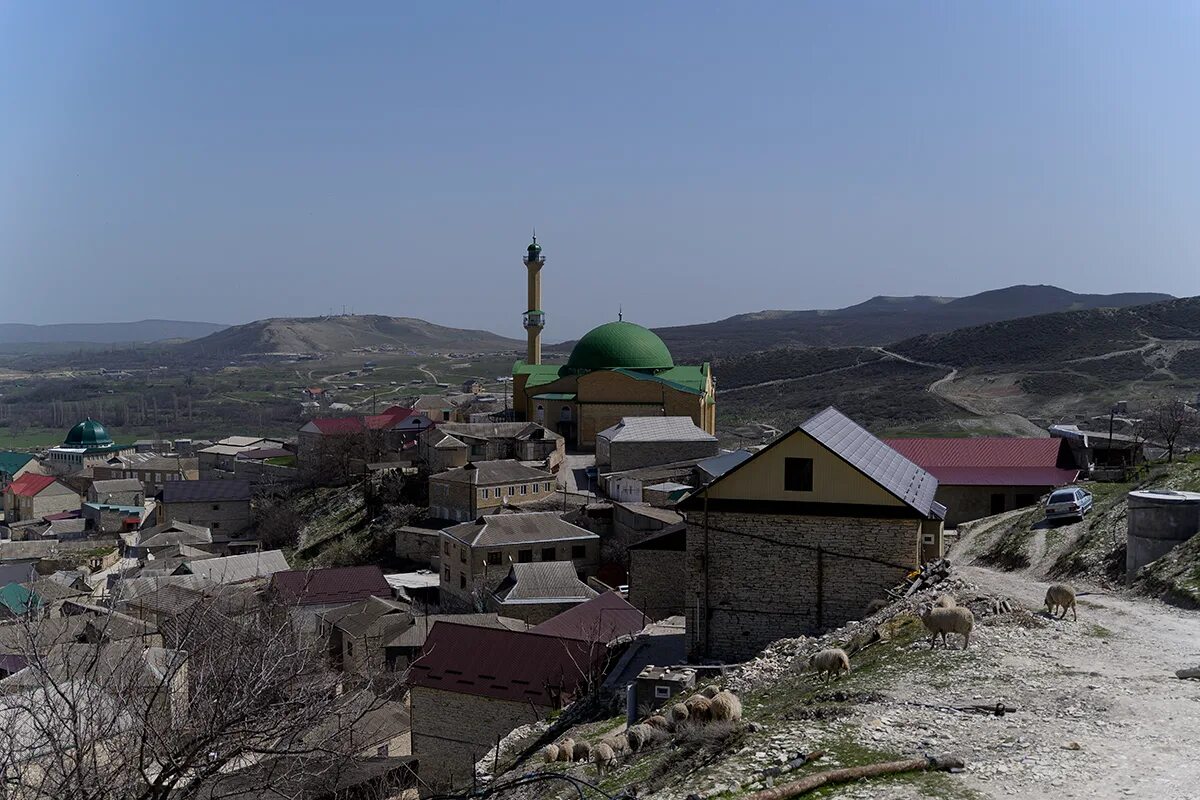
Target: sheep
(659, 721)
(710, 691)
(604, 756)
(637, 736)
(831, 662)
(617, 743)
(948, 620)
(945, 601)
(725, 707)
(550, 753)
(1060, 595)
(679, 713)
(699, 708)
(566, 749)
(582, 751)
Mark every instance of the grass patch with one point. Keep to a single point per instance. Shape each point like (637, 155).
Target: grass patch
(1099, 631)
(844, 751)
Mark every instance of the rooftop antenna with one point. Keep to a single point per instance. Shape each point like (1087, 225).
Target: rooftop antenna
(620, 314)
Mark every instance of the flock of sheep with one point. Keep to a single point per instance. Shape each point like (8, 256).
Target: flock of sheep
(942, 617)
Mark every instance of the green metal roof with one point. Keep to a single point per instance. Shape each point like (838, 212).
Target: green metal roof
(19, 600)
(620, 345)
(555, 396)
(691, 379)
(10, 462)
(88, 433)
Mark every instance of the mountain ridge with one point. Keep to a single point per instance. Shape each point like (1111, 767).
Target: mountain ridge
(140, 331)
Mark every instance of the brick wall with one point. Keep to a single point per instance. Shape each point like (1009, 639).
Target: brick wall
(757, 591)
(451, 731)
(658, 582)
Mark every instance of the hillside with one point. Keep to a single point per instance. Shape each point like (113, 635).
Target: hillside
(82, 333)
(341, 334)
(881, 320)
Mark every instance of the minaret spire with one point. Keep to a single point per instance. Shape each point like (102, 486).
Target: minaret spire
(534, 318)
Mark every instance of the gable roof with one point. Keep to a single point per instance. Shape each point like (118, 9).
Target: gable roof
(242, 567)
(114, 485)
(204, 491)
(990, 460)
(543, 582)
(501, 529)
(169, 533)
(656, 429)
(328, 586)
(518, 666)
(18, 599)
(415, 634)
(600, 619)
(10, 461)
(490, 472)
(30, 485)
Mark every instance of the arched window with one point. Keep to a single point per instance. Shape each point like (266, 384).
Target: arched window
(541, 413)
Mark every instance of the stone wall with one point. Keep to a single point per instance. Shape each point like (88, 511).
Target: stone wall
(451, 731)
(752, 591)
(966, 503)
(634, 455)
(658, 582)
(223, 517)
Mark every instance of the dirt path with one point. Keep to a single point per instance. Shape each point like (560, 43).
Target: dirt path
(432, 378)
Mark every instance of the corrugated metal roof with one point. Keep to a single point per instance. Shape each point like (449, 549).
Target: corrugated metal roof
(600, 619)
(873, 458)
(1004, 476)
(656, 429)
(487, 473)
(104, 487)
(30, 485)
(414, 635)
(543, 581)
(982, 451)
(330, 585)
(534, 526)
(518, 666)
(243, 567)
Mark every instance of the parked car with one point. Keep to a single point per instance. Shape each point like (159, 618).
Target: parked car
(1069, 502)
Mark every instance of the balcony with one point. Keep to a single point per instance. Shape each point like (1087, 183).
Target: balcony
(535, 260)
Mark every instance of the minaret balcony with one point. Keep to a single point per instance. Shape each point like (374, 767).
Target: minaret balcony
(531, 259)
(534, 319)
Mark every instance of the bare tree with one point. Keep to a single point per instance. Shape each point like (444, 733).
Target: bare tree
(232, 705)
(1172, 423)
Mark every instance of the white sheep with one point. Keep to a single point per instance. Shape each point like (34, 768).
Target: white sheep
(1060, 595)
(617, 743)
(710, 691)
(830, 663)
(659, 721)
(944, 621)
(604, 756)
(945, 601)
(566, 749)
(679, 713)
(550, 753)
(699, 708)
(725, 707)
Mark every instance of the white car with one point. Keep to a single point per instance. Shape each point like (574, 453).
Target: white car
(1069, 502)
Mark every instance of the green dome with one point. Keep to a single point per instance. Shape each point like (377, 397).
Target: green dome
(88, 433)
(620, 345)
(534, 247)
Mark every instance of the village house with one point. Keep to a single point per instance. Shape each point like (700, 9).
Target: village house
(985, 475)
(646, 441)
(1102, 455)
(602, 619)
(419, 545)
(112, 518)
(118, 491)
(658, 578)
(651, 484)
(14, 465)
(487, 486)
(33, 496)
(536, 591)
(453, 444)
(471, 685)
(802, 536)
(222, 506)
(150, 542)
(437, 408)
(477, 556)
(152, 469)
(219, 460)
(375, 433)
(305, 594)
(238, 568)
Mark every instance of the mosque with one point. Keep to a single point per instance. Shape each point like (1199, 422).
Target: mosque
(616, 370)
(87, 445)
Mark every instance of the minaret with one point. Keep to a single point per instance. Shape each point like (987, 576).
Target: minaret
(534, 319)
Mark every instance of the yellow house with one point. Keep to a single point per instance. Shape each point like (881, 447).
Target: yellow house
(800, 537)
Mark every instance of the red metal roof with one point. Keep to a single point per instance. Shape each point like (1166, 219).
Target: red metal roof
(991, 460)
(29, 485)
(341, 585)
(600, 619)
(375, 422)
(519, 666)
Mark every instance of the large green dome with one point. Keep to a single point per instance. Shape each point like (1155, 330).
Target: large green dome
(88, 433)
(617, 345)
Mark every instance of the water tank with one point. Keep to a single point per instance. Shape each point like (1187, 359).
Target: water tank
(1158, 520)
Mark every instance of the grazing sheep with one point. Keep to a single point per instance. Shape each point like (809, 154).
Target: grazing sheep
(679, 713)
(582, 751)
(618, 743)
(878, 604)
(566, 749)
(725, 707)
(1060, 595)
(948, 620)
(945, 601)
(710, 691)
(698, 707)
(659, 721)
(831, 662)
(550, 753)
(637, 736)
(604, 756)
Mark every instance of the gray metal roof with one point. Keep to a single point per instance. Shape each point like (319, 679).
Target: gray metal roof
(205, 491)
(117, 485)
(244, 567)
(719, 465)
(876, 460)
(544, 581)
(487, 473)
(656, 429)
(502, 529)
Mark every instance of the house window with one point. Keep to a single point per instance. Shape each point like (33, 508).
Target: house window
(216, 507)
(549, 554)
(547, 488)
(493, 558)
(485, 493)
(927, 538)
(446, 548)
(446, 574)
(382, 750)
(512, 490)
(462, 554)
(216, 525)
(662, 692)
(349, 647)
(524, 556)
(578, 551)
(524, 488)
(798, 474)
(462, 581)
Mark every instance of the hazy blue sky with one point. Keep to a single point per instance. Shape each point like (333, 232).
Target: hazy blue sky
(230, 161)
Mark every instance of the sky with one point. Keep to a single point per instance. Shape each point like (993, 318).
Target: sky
(684, 161)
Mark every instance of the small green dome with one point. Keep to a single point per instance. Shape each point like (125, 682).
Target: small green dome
(88, 433)
(534, 247)
(617, 345)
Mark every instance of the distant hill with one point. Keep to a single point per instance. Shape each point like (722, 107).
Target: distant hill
(81, 333)
(879, 320)
(342, 334)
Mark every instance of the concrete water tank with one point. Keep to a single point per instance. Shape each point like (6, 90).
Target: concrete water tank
(1158, 520)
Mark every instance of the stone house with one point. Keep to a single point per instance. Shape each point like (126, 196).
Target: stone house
(636, 442)
(656, 686)
(604, 618)
(117, 491)
(485, 487)
(644, 484)
(33, 496)
(152, 469)
(658, 578)
(377, 433)
(477, 556)
(305, 594)
(984, 475)
(472, 685)
(222, 506)
(453, 444)
(221, 457)
(418, 544)
(536, 591)
(13, 465)
(802, 536)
